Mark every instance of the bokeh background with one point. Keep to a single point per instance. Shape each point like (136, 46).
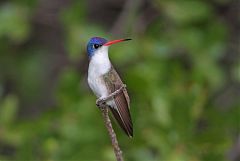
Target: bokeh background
(182, 69)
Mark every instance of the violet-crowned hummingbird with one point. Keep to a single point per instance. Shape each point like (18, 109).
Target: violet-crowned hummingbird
(104, 80)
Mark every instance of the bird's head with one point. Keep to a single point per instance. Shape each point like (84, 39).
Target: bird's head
(97, 43)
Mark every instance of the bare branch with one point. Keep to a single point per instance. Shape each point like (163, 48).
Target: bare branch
(112, 135)
(101, 103)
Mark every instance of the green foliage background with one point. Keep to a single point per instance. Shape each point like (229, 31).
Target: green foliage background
(181, 69)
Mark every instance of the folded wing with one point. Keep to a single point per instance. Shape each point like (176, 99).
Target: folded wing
(120, 107)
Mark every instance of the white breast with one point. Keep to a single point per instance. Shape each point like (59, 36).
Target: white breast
(99, 65)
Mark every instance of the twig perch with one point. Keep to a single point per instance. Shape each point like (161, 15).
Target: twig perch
(101, 103)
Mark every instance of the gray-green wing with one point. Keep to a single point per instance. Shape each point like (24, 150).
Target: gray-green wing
(121, 111)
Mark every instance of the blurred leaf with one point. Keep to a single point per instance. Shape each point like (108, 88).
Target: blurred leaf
(8, 110)
(184, 12)
(237, 71)
(14, 22)
(161, 109)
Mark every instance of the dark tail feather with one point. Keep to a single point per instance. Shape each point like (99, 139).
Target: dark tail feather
(122, 115)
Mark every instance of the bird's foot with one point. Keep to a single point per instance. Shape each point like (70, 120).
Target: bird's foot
(100, 102)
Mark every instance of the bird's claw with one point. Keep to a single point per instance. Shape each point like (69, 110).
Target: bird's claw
(100, 102)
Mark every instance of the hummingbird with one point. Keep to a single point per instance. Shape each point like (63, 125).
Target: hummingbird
(104, 80)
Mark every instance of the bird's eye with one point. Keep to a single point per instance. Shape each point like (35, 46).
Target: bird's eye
(95, 46)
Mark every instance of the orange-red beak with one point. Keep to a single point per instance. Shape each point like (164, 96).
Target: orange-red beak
(115, 41)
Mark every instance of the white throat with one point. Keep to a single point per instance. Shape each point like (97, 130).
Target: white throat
(99, 63)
